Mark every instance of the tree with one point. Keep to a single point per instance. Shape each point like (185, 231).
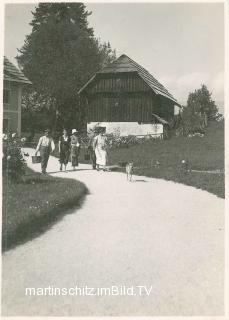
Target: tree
(36, 112)
(59, 56)
(200, 108)
(200, 101)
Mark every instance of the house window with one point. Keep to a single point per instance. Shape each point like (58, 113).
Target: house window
(6, 96)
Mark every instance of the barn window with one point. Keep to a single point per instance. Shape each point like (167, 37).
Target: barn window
(6, 96)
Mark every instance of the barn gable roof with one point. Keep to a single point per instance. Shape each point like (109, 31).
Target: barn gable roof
(11, 73)
(125, 64)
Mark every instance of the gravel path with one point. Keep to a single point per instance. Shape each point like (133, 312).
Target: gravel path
(146, 233)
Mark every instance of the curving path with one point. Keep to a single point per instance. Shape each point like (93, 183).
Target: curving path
(149, 233)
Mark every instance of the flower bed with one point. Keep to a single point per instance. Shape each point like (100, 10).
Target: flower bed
(117, 141)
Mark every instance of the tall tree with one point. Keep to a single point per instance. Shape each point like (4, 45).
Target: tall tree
(200, 108)
(200, 101)
(60, 55)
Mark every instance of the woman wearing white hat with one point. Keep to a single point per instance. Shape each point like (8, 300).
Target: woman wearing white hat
(100, 146)
(75, 148)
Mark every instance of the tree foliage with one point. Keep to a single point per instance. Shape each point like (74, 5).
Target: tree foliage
(200, 101)
(199, 110)
(37, 112)
(60, 55)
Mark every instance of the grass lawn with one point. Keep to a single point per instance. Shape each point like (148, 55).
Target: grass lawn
(205, 153)
(34, 205)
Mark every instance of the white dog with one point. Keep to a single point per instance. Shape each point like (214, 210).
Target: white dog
(129, 170)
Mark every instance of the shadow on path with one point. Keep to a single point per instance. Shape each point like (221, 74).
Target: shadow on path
(63, 171)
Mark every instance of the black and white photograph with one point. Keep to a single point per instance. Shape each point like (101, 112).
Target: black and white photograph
(113, 159)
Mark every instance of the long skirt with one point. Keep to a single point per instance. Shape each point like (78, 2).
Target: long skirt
(64, 156)
(93, 157)
(101, 156)
(74, 155)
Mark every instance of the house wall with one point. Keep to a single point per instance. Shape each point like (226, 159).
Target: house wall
(119, 98)
(126, 82)
(12, 108)
(124, 102)
(137, 107)
(129, 128)
(167, 108)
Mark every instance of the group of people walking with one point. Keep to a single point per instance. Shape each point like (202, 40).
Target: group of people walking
(69, 146)
(69, 149)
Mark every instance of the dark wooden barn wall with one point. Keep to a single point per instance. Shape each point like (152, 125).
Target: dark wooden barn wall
(122, 98)
(124, 107)
(166, 108)
(118, 83)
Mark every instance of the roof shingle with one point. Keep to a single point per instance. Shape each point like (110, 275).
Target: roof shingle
(11, 73)
(125, 64)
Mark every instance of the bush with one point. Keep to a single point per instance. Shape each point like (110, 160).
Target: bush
(13, 163)
(115, 141)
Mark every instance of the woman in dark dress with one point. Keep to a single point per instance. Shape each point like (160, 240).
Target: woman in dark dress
(64, 149)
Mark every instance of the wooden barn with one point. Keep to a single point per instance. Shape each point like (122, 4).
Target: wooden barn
(125, 97)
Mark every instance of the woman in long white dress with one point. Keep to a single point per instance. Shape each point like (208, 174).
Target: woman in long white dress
(100, 143)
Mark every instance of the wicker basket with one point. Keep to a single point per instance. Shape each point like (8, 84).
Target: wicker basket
(36, 159)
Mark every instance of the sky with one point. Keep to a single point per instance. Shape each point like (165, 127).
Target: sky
(180, 44)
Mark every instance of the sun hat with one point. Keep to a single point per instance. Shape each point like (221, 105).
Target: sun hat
(74, 131)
